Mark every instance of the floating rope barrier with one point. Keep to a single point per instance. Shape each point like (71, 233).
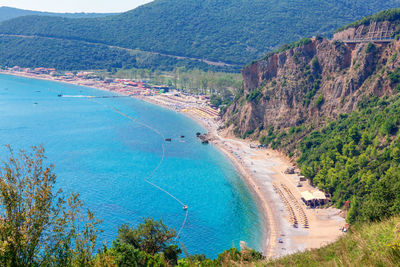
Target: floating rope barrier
(146, 179)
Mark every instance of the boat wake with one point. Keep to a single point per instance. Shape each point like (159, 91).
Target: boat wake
(77, 96)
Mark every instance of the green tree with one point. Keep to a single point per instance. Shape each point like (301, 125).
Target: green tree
(354, 208)
(389, 127)
(150, 243)
(38, 225)
(151, 236)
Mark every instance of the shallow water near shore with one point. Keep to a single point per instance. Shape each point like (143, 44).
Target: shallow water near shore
(105, 157)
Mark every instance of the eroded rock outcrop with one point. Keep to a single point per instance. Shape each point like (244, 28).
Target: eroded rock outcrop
(311, 82)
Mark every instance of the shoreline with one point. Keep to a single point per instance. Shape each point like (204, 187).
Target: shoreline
(262, 171)
(268, 224)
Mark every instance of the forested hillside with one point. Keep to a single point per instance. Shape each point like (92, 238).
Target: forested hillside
(232, 31)
(356, 158)
(7, 13)
(80, 55)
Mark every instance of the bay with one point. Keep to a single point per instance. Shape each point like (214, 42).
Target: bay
(106, 157)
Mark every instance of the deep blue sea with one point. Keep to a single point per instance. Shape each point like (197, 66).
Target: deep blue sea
(105, 157)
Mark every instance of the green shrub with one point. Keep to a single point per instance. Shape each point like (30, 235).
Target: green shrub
(254, 96)
(315, 65)
(370, 48)
(394, 77)
(394, 57)
(320, 101)
(389, 127)
(247, 133)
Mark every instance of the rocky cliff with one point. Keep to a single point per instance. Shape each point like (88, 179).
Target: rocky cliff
(314, 80)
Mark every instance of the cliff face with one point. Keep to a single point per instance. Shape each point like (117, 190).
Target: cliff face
(311, 83)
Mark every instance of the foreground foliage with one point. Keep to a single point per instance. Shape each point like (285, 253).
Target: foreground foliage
(38, 225)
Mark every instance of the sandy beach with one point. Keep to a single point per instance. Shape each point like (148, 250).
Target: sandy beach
(263, 170)
(277, 194)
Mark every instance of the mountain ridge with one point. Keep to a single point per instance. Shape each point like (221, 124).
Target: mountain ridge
(230, 31)
(7, 13)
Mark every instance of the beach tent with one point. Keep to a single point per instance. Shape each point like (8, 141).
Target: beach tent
(313, 198)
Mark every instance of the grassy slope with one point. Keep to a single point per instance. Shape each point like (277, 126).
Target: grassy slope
(375, 244)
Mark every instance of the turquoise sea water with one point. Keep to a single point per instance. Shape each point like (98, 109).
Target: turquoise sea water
(105, 157)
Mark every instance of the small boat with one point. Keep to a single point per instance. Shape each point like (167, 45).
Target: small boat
(168, 139)
(185, 207)
(182, 136)
(59, 95)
